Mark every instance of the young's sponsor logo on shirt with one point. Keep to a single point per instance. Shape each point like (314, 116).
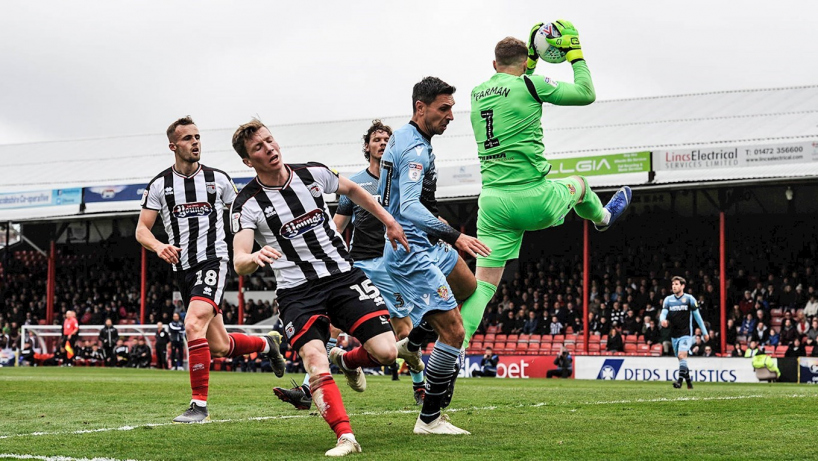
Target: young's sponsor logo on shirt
(192, 210)
(302, 224)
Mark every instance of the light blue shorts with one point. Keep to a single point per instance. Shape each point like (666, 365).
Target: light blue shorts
(682, 344)
(375, 269)
(420, 281)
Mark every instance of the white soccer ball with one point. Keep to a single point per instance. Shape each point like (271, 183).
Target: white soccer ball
(544, 49)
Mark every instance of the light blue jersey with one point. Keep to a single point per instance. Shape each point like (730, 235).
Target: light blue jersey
(407, 173)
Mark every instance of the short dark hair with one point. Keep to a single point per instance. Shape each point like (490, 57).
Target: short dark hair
(428, 89)
(681, 280)
(377, 125)
(243, 133)
(186, 120)
(509, 51)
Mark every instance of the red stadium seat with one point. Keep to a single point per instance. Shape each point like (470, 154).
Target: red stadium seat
(478, 337)
(780, 351)
(656, 350)
(534, 349)
(570, 339)
(642, 349)
(594, 339)
(511, 347)
(808, 350)
(630, 339)
(522, 348)
(593, 347)
(535, 339)
(492, 329)
(489, 337)
(513, 338)
(559, 339)
(569, 329)
(545, 348)
(523, 338)
(630, 348)
(580, 348)
(501, 338)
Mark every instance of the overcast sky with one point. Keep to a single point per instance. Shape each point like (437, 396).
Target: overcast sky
(83, 69)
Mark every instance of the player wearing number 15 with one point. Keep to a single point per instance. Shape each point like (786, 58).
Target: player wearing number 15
(516, 195)
(283, 209)
(192, 198)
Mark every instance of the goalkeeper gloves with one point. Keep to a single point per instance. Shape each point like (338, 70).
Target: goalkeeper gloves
(568, 40)
(531, 62)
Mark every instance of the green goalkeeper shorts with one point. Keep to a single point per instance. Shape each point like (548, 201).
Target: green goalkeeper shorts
(505, 214)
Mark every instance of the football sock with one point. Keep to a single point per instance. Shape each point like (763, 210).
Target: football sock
(438, 376)
(305, 385)
(241, 344)
(683, 371)
(417, 376)
(591, 208)
(199, 361)
(327, 399)
(418, 335)
(473, 308)
(359, 357)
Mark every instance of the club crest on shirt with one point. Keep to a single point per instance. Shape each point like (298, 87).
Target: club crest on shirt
(415, 170)
(315, 189)
(550, 81)
(302, 224)
(210, 187)
(192, 210)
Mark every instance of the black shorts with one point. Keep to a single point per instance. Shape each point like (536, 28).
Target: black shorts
(203, 282)
(349, 301)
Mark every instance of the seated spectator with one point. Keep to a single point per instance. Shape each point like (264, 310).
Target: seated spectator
(708, 351)
(652, 334)
(747, 326)
(788, 333)
(140, 354)
(773, 338)
(812, 334)
(731, 332)
(801, 323)
(737, 351)
(630, 326)
(122, 353)
(96, 358)
(795, 349)
(602, 327)
(509, 324)
(761, 334)
(565, 365)
(811, 308)
(615, 342)
(555, 328)
(488, 365)
(593, 324)
(530, 326)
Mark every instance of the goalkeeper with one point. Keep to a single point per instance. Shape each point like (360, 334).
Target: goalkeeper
(516, 194)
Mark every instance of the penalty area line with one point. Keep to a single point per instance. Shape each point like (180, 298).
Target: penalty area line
(391, 412)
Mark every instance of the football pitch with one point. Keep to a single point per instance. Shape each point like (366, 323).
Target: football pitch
(85, 413)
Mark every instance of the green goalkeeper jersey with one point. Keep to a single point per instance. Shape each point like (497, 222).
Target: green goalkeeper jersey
(505, 116)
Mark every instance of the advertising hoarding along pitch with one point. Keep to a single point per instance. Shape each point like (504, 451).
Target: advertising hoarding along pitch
(735, 157)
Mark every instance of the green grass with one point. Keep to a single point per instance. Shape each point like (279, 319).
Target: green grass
(509, 419)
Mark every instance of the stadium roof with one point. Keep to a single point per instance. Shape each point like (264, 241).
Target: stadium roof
(670, 123)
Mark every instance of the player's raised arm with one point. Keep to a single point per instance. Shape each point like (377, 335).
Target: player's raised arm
(579, 93)
(394, 231)
(145, 237)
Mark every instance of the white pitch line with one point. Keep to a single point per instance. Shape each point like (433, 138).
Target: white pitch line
(400, 412)
(54, 458)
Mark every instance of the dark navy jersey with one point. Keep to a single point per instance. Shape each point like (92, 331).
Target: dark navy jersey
(368, 234)
(680, 314)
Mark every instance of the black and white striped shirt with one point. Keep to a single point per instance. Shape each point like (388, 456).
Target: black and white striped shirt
(192, 208)
(295, 220)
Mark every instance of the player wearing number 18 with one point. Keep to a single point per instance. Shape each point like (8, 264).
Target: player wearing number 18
(283, 209)
(192, 199)
(516, 195)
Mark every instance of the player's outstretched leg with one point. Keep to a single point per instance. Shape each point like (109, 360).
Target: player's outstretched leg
(199, 361)
(300, 396)
(615, 207)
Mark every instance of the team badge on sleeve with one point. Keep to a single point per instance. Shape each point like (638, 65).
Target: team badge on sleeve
(550, 81)
(235, 222)
(145, 197)
(415, 170)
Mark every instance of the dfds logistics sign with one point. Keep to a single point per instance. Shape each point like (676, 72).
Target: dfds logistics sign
(625, 368)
